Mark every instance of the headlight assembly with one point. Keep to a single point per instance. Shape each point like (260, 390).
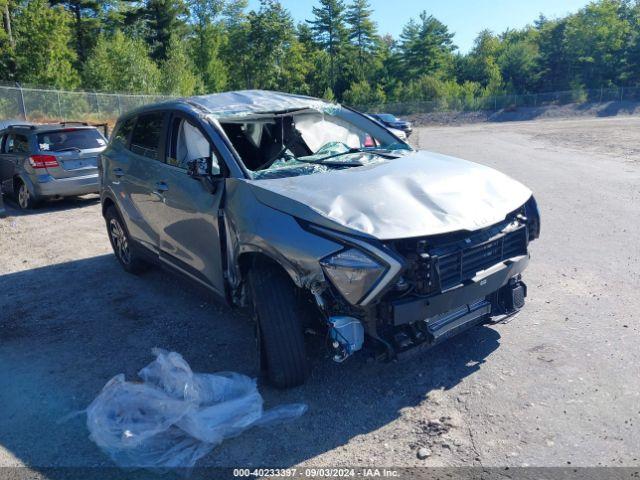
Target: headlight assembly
(533, 218)
(352, 272)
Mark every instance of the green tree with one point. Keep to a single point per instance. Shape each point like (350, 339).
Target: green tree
(121, 64)
(330, 33)
(7, 42)
(271, 32)
(43, 54)
(203, 14)
(518, 60)
(481, 65)
(178, 72)
(553, 65)
(363, 95)
(362, 34)
(86, 14)
(595, 41)
(163, 20)
(235, 52)
(426, 47)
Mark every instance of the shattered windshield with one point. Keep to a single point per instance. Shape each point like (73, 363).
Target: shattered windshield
(309, 141)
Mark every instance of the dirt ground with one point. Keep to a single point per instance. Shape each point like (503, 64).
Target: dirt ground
(557, 386)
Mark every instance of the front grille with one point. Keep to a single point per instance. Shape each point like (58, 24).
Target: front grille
(463, 263)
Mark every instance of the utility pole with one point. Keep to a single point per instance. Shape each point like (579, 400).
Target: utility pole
(6, 17)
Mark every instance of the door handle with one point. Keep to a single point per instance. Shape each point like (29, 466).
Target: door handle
(161, 187)
(118, 172)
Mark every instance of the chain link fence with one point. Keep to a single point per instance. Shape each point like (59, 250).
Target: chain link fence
(41, 105)
(507, 102)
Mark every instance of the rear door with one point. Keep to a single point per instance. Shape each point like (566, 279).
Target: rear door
(6, 167)
(190, 233)
(76, 150)
(15, 151)
(142, 176)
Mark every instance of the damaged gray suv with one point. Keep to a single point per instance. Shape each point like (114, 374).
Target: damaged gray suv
(319, 219)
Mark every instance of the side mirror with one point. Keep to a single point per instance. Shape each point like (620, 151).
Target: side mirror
(198, 168)
(202, 169)
(215, 166)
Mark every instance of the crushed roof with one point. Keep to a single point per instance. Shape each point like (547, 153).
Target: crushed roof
(246, 102)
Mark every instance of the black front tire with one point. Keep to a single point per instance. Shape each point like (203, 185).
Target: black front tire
(281, 332)
(121, 243)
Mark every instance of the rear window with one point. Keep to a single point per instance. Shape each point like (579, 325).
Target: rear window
(70, 139)
(385, 117)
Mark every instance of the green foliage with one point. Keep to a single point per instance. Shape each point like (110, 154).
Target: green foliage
(163, 19)
(181, 47)
(595, 41)
(177, 72)
(361, 93)
(362, 34)
(426, 47)
(330, 34)
(121, 64)
(42, 53)
(86, 24)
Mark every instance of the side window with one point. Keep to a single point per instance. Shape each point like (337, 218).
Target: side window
(17, 144)
(124, 130)
(189, 143)
(145, 139)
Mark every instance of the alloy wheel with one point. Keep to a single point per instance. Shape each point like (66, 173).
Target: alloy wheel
(119, 240)
(23, 196)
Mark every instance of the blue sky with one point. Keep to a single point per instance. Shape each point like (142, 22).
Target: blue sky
(463, 17)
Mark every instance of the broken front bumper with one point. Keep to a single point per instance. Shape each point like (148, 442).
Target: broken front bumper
(410, 321)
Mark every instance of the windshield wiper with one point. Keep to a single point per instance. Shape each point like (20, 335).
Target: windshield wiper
(69, 149)
(383, 152)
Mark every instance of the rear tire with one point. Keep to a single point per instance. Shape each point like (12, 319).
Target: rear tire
(121, 243)
(280, 330)
(24, 198)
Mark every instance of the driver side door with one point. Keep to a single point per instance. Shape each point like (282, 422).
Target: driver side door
(190, 231)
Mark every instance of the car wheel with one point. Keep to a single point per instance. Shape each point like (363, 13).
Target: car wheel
(26, 200)
(121, 243)
(280, 330)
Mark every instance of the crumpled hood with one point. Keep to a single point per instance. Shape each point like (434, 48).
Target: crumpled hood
(420, 194)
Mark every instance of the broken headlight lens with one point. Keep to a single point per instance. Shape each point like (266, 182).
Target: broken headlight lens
(352, 272)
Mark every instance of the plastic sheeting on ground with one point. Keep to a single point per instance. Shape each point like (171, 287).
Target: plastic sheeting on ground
(175, 417)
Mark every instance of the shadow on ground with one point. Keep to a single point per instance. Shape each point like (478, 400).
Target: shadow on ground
(66, 329)
(12, 209)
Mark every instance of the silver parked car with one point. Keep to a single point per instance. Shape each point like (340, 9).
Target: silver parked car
(318, 218)
(39, 162)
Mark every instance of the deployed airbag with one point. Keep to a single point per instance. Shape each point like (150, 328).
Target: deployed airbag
(175, 416)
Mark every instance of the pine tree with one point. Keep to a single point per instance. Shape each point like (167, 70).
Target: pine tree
(164, 19)
(361, 33)
(426, 46)
(330, 32)
(177, 71)
(86, 14)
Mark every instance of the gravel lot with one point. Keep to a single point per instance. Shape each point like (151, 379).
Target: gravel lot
(559, 385)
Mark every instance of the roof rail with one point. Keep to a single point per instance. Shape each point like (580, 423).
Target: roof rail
(74, 123)
(104, 126)
(18, 125)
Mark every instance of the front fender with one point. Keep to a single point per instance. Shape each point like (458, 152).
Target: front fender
(254, 228)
